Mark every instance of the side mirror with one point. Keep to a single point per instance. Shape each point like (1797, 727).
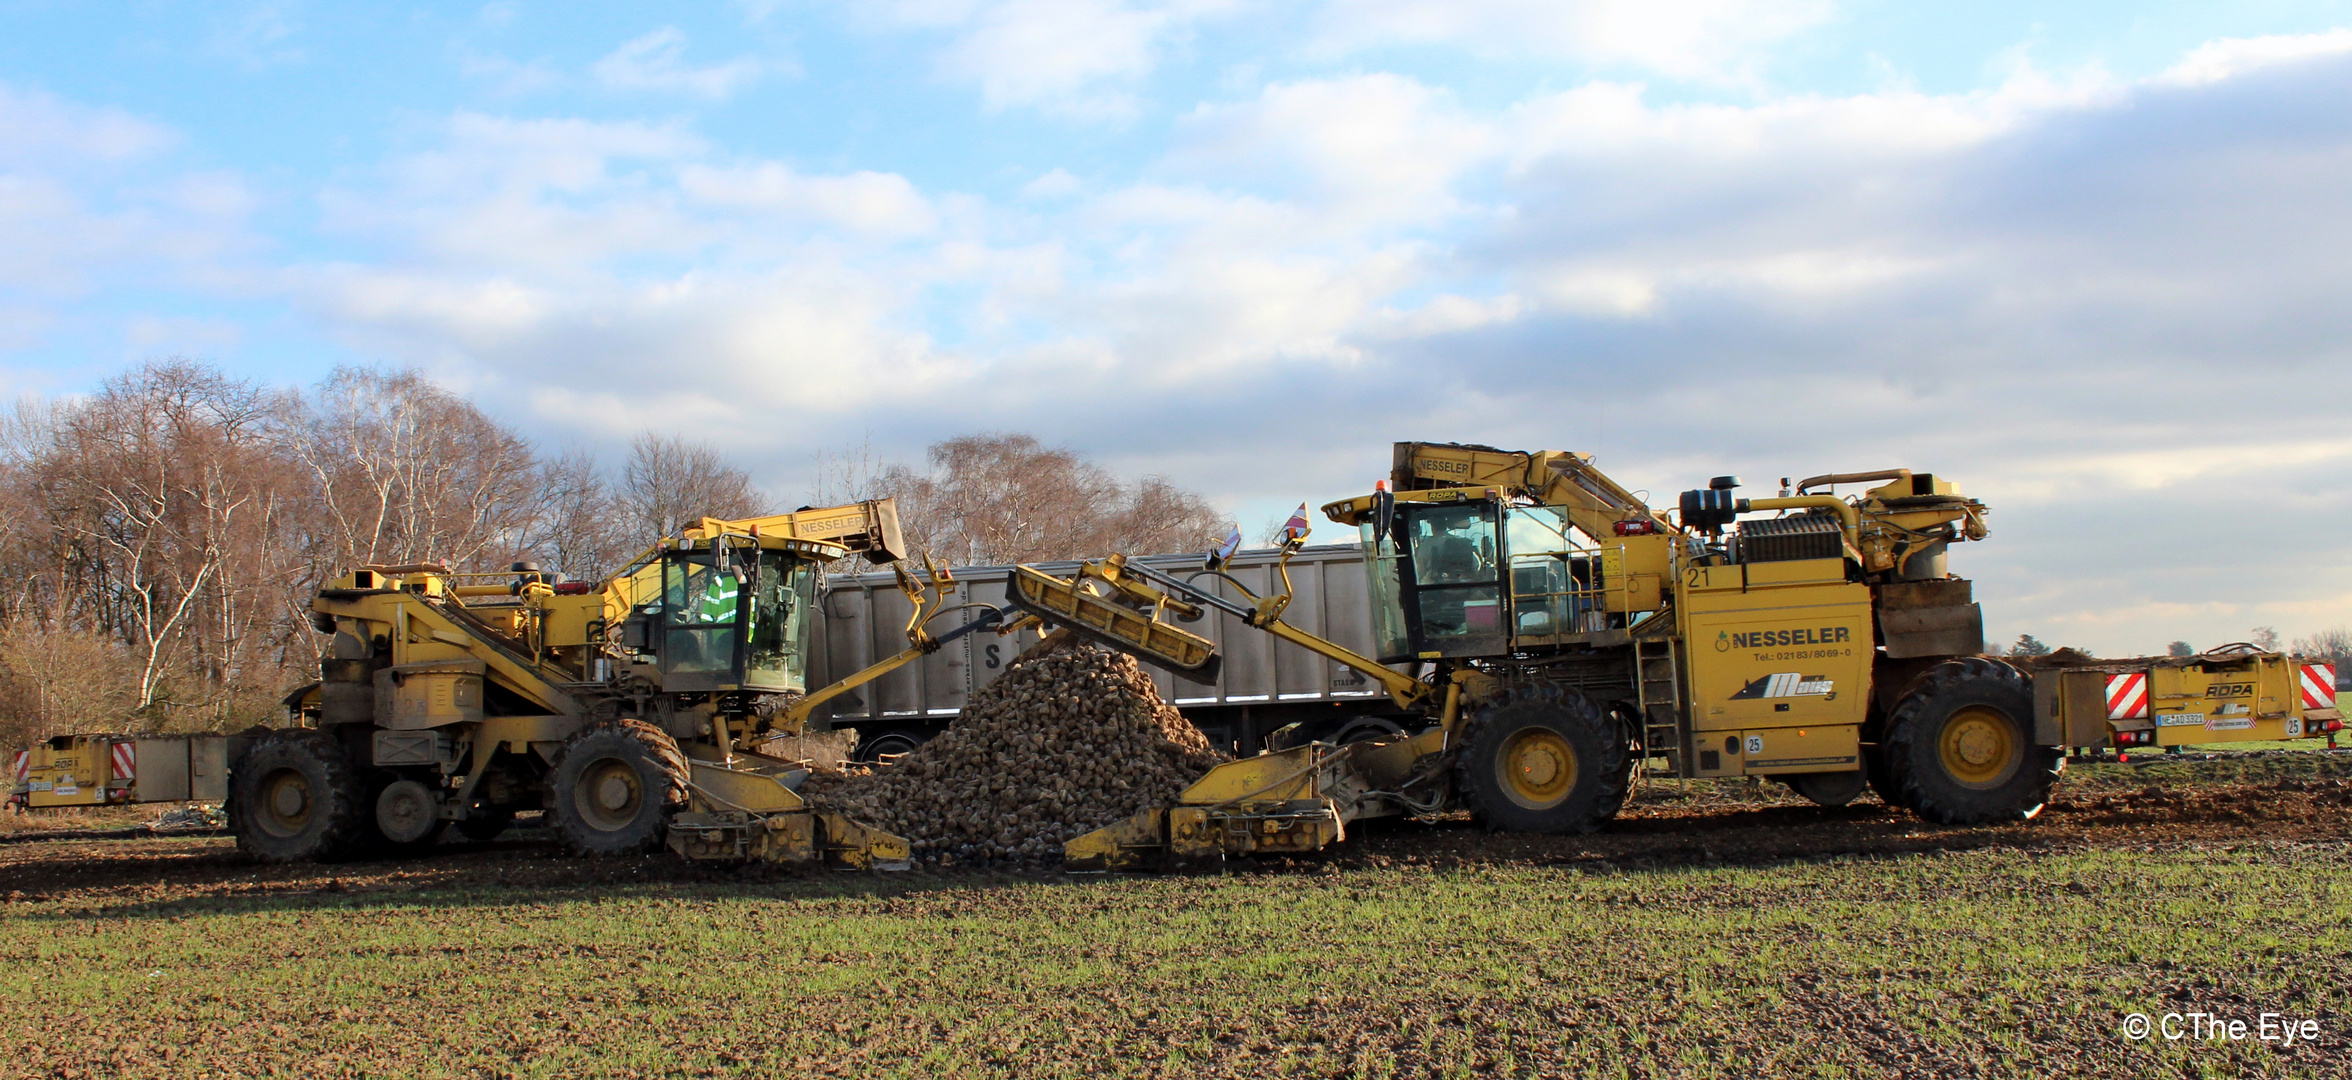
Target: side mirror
(1383, 514)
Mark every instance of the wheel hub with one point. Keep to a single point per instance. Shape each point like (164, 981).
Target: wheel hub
(1979, 747)
(285, 803)
(1537, 768)
(608, 795)
(406, 812)
(287, 800)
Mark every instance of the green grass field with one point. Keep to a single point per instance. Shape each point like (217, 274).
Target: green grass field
(1997, 962)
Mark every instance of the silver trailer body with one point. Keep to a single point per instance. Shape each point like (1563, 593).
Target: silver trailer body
(1265, 684)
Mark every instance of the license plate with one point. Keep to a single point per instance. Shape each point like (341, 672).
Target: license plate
(2180, 719)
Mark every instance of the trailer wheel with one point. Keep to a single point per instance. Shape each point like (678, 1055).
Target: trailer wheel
(894, 741)
(614, 787)
(1541, 759)
(1959, 746)
(295, 797)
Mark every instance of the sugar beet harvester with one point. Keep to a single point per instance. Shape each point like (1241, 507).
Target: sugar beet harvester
(629, 710)
(1556, 633)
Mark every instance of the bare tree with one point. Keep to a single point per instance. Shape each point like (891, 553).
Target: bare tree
(2334, 644)
(2264, 638)
(670, 483)
(158, 489)
(408, 472)
(995, 498)
(581, 531)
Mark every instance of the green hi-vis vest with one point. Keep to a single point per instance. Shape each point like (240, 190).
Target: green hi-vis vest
(718, 601)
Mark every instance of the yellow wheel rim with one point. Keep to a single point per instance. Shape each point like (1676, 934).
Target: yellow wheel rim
(285, 803)
(608, 795)
(1979, 747)
(1537, 768)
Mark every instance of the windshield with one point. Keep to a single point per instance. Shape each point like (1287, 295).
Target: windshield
(699, 599)
(780, 622)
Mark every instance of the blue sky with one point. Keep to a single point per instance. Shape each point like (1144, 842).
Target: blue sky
(2087, 259)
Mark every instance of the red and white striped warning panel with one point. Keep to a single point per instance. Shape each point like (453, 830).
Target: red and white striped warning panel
(24, 765)
(2319, 686)
(125, 762)
(2127, 696)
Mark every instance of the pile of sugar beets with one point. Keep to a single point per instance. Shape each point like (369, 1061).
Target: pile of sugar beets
(1065, 741)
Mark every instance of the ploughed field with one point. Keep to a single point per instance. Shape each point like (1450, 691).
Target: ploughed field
(1715, 930)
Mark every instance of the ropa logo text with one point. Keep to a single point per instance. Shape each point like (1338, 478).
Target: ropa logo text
(1811, 635)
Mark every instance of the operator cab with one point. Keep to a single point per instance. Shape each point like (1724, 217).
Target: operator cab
(732, 613)
(1477, 577)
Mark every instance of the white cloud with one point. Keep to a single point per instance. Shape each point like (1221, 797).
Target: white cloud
(1370, 151)
(1691, 39)
(657, 62)
(2218, 60)
(42, 131)
(869, 202)
(91, 198)
(1077, 57)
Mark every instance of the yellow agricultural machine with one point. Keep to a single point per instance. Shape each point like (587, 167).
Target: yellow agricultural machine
(633, 711)
(1554, 633)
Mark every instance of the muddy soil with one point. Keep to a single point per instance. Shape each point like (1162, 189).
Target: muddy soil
(1664, 825)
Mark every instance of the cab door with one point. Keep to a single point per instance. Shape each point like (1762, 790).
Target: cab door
(1452, 579)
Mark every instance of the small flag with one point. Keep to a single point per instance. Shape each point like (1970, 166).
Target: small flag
(1225, 550)
(1296, 528)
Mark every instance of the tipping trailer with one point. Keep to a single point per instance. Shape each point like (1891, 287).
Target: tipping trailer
(1261, 691)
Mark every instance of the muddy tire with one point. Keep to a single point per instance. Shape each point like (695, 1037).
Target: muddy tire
(297, 798)
(483, 825)
(614, 787)
(1830, 789)
(404, 817)
(1542, 759)
(1959, 746)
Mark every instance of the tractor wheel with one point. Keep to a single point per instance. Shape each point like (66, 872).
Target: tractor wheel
(1832, 789)
(1542, 759)
(1959, 746)
(614, 787)
(406, 815)
(484, 825)
(297, 798)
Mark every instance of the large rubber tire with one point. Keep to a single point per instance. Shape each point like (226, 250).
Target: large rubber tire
(380, 839)
(614, 787)
(1543, 759)
(484, 825)
(1959, 749)
(1831, 790)
(869, 750)
(296, 797)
